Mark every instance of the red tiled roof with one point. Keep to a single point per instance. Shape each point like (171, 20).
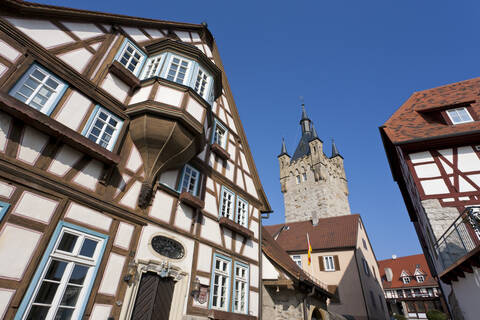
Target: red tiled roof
(274, 252)
(407, 264)
(329, 233)
(415, 119)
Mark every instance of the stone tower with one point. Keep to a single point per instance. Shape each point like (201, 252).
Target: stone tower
(313, 185)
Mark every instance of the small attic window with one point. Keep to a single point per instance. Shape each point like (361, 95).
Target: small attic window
(459, 115)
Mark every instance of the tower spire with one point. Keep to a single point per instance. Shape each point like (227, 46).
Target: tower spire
(305, 121)
(314, 132)
(334, 150)
(284, 148)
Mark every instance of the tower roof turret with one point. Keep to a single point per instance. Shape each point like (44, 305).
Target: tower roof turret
(335, 150)
(304, 113)
(284, 149)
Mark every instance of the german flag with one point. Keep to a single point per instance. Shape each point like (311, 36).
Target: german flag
(309, 250)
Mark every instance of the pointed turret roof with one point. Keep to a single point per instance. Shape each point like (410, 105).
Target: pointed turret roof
(284, 149)
(314, 133)
(304, 113)
(308, 134)
(335, 150)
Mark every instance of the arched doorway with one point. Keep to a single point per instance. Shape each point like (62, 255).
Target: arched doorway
(154, 297)
(316, 315)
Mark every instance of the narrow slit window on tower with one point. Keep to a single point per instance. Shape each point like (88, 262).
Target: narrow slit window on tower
(304, 176)
(298, 179)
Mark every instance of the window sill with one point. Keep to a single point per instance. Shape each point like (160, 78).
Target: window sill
(219, 151)
(229, 224)
(44, 123)
(191, 200)
(223, 315)
(123, 74)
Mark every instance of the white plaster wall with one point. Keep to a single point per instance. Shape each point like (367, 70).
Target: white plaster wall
(6, 190)
(3, 68)
(231, 124)
(427, 170)
(89, 175)
(244, 162)
(254, 228)
(35, 207)
(467, 293)
(42, 31)
(100, 311)
(32, 144)
(8, 52)
(210, 230)
(229, 169)
(228, 238)
(254, 276)
(17, 245)
(169, 178)
(423, 156)
(88, 216)
(64, 160)
(145, 251)
(435, 186)
(74, 110)
(154, 33)
(183, 217)
(78, 59)
(83, 30)
(183, 35)
(251, 186)
(5, 121)
(5, 297)
(134, 161)
(122, 183)
(169, 96)
(131, 196)
(124, 235)
(161, 206)
(239, 179)
(204, 259)
(211, 204)
(141, 95)
(251, 250)
(136, 34)
(115, 87)
(112, 274)
(195, 109)
(253, 303)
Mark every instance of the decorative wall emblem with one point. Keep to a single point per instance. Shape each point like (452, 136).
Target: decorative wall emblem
(202, 294)
(168, 247)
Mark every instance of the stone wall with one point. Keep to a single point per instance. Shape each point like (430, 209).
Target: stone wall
(287, 304)
(324, 193)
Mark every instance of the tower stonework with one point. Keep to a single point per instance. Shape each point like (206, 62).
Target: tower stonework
(314, 186)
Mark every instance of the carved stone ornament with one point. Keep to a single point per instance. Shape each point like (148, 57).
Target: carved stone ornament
(168, 247)
(164, 270)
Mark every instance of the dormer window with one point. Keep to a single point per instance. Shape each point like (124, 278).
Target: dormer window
(459, 115)
(420, 279)
(406, 280)
(131, 57)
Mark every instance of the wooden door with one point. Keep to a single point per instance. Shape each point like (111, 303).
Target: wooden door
(154, 298)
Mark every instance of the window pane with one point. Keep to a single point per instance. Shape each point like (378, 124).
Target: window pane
(46, 293)
(38, 75)
(88, 248)
(70, 296)
(38, 313)
(78, 274)
(68, 242)
(64, 314)
(55, 270)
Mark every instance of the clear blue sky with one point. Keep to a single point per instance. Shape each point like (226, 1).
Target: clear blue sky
(354, 62)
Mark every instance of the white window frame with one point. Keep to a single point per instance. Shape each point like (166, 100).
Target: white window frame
(406, 280)
(220, 139)
(91, 125)
(188, 176)
(220, 274)
(71, 258)
(189, 66)
(420, 277)
(157, 60)
(56, 93)
(244, 281)
(227, 204)
(241, 212)
(298, 260)
(456, 110)
(128, 44)
(328, 263)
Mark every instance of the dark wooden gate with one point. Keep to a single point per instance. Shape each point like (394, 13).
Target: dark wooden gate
(154, 298)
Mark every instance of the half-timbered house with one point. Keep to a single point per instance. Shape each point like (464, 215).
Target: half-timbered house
(127, 187)
(432, 146)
